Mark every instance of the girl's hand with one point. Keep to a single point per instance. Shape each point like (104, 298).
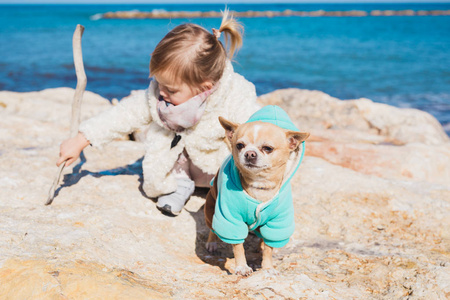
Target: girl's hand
(70, 149)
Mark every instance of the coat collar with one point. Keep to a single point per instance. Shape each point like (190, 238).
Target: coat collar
(212, 101)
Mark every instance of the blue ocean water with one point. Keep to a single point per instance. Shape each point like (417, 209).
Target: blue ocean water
(402, 61)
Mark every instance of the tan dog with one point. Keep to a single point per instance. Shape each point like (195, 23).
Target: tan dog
(264, 158)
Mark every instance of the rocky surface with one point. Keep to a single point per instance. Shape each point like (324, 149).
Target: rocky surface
(372, 206)
(163, 14)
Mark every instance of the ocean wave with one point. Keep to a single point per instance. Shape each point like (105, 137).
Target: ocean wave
(439, 100)
(96, 17)
(159, 11)
(446, 128)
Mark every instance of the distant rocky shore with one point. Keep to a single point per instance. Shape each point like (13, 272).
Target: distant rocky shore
(163, 14)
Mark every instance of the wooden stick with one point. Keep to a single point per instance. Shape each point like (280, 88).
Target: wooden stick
(76, 104)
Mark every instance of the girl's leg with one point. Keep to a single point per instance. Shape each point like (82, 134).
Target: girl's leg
(181, 167)
(200, 178)
(173, 203)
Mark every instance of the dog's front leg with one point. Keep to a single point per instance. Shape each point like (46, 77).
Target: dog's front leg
(241, 263)
(267, 263)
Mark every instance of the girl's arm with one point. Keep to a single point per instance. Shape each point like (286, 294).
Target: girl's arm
(71, 148)
(129, 115)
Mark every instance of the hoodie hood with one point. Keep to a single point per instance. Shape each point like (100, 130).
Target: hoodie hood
(275, 115)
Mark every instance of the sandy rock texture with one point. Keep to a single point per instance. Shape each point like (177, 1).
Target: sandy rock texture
(372, 207)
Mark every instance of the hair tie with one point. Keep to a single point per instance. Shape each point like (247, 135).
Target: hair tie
(216, 33)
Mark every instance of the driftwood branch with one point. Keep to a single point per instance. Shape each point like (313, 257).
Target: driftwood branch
(76, 104)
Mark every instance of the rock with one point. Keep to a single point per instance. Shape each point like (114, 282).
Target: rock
(417, 162)
(74, 280)
(370, 138)
(371, 207)
(50, 105)
(362, 119)
(162, 14)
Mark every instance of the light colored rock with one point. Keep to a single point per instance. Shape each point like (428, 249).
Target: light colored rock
(50, 105)
(365, 228)
(36, 279)
(405, 125)
(378, 122)
(413, 161)
(368, 137)
(162, 14)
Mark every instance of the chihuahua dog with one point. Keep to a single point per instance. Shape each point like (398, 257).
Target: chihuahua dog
(251, 191)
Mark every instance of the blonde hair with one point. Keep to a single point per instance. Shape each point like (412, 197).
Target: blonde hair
(192, 55)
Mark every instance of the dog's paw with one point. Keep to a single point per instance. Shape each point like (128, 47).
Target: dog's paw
(271, 273)
(243, 270)
(211, 247)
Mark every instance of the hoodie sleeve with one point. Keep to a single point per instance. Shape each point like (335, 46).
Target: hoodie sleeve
(129, 115)
(279, 229)
(228, 222)
(210, 203)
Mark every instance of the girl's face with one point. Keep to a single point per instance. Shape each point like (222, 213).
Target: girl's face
(177, 93)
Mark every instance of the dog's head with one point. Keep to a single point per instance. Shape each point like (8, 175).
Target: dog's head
(260, 146)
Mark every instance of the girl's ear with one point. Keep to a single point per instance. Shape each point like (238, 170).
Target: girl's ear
(207, 85)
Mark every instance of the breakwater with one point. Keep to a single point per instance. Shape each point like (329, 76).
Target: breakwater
(163, 14)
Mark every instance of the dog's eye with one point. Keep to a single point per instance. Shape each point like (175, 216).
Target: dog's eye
(267, 149)
(240, 146)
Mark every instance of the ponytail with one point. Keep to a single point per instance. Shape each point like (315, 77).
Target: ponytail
(233, 31)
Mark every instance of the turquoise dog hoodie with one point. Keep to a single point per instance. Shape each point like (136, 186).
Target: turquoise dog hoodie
(236, 213)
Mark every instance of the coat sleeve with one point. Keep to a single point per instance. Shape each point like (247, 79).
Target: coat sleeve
(240, 112)
(129, 115)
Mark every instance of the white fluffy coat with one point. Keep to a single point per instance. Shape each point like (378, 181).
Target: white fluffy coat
(235, 99)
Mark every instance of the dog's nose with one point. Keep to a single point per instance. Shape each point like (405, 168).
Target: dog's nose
(250, 155)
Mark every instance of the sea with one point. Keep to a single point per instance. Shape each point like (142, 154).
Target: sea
(403, 61)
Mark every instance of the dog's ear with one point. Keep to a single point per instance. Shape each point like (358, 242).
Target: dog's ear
(294, 138)
(229, 127)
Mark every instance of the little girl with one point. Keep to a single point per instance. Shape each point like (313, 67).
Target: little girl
(193, 84)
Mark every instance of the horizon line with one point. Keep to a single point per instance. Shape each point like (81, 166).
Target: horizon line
(203, 2)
